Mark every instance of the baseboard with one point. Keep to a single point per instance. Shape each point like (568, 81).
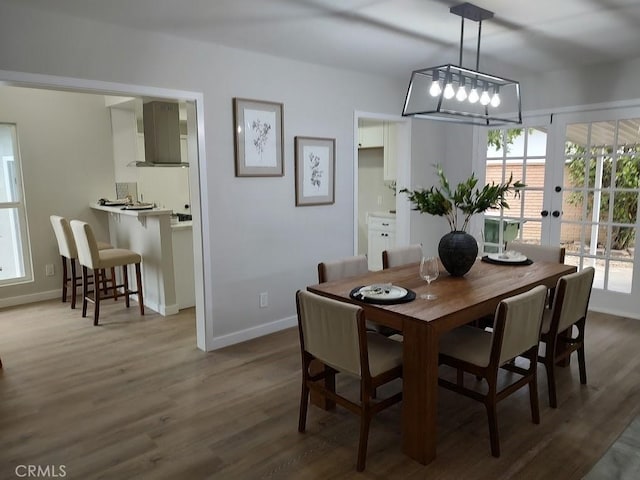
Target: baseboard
(618, 313)
(164, 310)
(31, 298)
(253, 332)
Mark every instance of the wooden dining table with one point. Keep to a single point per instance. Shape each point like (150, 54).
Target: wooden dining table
(460, 300)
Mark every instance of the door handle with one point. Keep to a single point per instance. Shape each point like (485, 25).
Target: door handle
(558, 188)
(544, 213)
(556, 213)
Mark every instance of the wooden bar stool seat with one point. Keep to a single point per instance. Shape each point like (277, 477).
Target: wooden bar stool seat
(91, 258)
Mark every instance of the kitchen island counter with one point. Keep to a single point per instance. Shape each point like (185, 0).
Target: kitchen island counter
(149, 233)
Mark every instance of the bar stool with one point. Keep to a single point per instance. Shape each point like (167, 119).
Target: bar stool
(69, 252)
(90, 257)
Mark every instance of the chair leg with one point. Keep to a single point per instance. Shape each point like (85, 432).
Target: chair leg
(125, 283)
(304, 402)
(582, 367)
(493, 428)
(98, 278)
(533, 398)
(74, 296)
(113, 283)
(85, 290)
(365, 422)
(551, 381)
(65, 278)
(139, 288)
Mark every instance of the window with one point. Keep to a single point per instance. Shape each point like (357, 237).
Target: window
(15, 257)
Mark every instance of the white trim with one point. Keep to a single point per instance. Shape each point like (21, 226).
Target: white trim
(613, 311)
(198, 190)
(253, 332)
(582, 108)
(30, 298)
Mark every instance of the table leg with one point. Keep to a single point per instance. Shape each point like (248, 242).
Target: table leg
(420, 391)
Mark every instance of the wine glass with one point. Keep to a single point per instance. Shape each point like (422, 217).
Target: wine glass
(429, 272)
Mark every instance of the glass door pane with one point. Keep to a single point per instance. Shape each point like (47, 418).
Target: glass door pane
(600, 199)
(517, 154)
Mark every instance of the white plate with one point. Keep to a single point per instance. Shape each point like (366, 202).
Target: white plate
(508, 257)
(382, 291)
(139, 207)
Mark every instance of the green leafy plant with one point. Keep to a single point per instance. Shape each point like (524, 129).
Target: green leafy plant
(465, 201)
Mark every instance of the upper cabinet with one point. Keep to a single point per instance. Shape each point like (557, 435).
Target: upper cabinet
(390, 151)
(371, 136)
(378, 134)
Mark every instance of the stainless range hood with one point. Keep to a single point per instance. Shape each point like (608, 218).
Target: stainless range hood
(161, 122)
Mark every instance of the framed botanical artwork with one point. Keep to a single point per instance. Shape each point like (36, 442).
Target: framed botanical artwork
(315, 161)
(258, 138)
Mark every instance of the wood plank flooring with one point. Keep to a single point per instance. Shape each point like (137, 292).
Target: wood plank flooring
(134, 399)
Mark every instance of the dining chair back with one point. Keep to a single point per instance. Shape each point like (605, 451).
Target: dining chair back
(334, 333)
(397, 256)
(69, 254)
(540, 253)
(342, 268)
(92, 258)
(516, 333)
(350, 267)
(569, 309)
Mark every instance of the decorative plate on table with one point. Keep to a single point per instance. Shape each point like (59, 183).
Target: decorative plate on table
(508, 257)
(383, 293)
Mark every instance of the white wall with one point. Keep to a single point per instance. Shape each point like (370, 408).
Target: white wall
(258, 240)
(67, 162)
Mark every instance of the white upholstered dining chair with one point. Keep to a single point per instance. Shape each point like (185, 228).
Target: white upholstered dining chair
(516, 333)
(569, 309)
(397, 256)
(334, 333)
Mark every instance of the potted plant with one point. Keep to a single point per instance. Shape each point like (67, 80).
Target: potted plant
(457, 249)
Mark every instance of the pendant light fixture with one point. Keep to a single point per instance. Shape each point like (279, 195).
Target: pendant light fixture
(457, 94)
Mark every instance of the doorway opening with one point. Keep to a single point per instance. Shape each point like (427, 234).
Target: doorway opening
(382, 146)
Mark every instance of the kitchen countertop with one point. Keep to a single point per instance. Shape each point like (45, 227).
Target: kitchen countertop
(182, 225)
(132, 213)
(382, 214)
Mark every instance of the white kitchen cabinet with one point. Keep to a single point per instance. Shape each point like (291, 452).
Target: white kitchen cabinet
(381, 135)
(381, 236)
(390, 151)
(371, 136)
(182, 236)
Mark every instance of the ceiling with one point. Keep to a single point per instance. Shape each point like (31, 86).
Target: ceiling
(389, 37)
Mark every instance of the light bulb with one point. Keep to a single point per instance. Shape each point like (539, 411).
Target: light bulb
(435, 89)
(473, 95)
(449, 92)
(462, 93)
(495, 100)
(484, 98)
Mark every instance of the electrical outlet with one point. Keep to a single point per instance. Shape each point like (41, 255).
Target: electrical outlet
(49, 270)
(264, 300)
(379, 200)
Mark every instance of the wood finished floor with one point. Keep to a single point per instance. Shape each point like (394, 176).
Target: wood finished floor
(134, 399)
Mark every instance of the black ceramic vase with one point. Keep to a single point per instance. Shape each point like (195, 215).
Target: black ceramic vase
(458, 252)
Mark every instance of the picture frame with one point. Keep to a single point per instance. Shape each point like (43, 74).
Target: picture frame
(315, 171)
(258, 138)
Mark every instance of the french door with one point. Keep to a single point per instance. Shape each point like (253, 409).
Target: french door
(597, 168)
(519, 154)
(582, 176)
